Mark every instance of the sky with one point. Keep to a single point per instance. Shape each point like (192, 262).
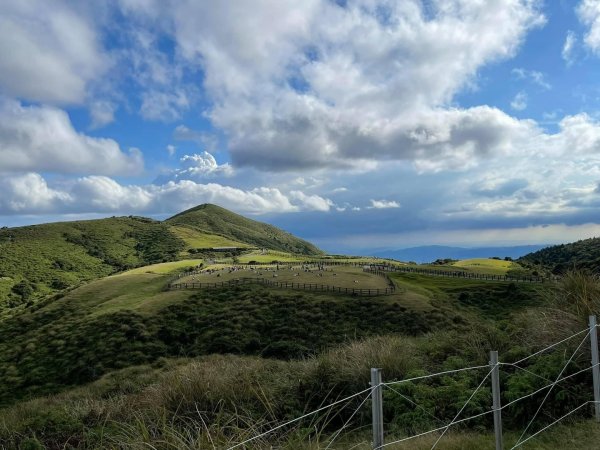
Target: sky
(357, 124)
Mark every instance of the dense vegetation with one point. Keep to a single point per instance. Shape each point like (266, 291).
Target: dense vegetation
(584, 254)
(68, 342)
(222, 399)
(40, 259)
(122, 362)
(216, 220)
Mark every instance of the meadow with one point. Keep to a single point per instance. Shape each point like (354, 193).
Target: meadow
(339, 276)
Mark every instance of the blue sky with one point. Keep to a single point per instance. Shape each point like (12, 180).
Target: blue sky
(359, 125)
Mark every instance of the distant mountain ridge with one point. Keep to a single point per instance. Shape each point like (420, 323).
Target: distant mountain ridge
(429, 253)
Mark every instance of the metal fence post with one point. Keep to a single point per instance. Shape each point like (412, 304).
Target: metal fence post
(595, 367)
(377, 401)
(496, 405)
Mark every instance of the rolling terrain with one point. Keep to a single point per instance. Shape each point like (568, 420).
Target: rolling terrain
(38, 260)
(123, 361)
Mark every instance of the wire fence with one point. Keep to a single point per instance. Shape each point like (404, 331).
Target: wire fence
(374, 393)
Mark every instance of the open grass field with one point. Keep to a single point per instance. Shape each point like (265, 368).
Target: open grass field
(197, 239)
(342, 276)
(139, 292)
(165, 268)
(271, 255)
(486, 265)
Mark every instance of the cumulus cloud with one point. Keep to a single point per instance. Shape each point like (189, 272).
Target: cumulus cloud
(201, 166)
(30, 194)
(171, 149)
(311, 202)
(589, 14)
(384, 204)
(41, 138)
(50, 51)
(342, 86)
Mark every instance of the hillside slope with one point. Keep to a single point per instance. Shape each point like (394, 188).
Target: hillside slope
(216, 220)
(584, 254)
(40, 259)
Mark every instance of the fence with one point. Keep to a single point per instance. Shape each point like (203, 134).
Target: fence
(390, 267)
(281, 284)
(375, 393)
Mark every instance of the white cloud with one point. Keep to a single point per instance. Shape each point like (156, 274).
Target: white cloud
(346, 86)
(311, 202)
(569, 48)
(589, 14)
(30, 194)
(41, 138)
(206, 140)
(50, 51)
(384, 204)
(534, 76)
(164, 106)
(171, 149)
(102, 113)
(203, 165)
(519, 103)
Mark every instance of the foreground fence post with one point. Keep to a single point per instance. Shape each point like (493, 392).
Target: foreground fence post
(496, 406)
(595, 367)
(377, 401)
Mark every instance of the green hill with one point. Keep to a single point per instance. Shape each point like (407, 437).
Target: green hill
(213, 219)
(42, 259)
(584, 254)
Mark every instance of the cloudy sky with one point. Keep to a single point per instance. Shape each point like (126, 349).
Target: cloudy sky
(358, 124)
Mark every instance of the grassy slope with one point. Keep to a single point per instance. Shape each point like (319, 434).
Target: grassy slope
(584, 254)
(196, 239)
(129, 318)
(39, 260)
(486, 265)
(187, 403)
(53, 256)
(216, 220)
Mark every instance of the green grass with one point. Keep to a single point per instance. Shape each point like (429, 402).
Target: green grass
(216, 220)
(196, 239)
(486, 265)
(51, 257)
(187, 403)
(345, 276)
(164, 268)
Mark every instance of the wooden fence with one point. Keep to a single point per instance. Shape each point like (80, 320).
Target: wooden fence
(281, 284)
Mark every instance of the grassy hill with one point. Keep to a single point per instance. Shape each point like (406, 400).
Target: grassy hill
(42, 259)
(213, 219)
(584, 254)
